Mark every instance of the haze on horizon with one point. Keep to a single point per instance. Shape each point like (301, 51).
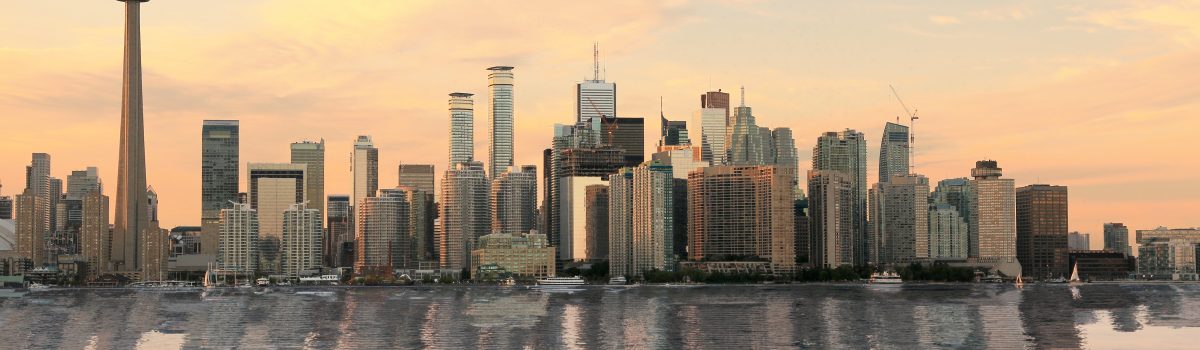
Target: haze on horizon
(1099, 96)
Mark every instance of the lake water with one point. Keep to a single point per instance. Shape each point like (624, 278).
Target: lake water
(841, 316)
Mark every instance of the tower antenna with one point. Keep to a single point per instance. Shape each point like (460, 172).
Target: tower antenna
(595, 61)
(743, 96)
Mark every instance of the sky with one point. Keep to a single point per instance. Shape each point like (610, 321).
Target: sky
(1099, 96)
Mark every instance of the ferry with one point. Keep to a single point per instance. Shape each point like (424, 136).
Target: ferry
(619, 280)
(508, 282)
(885, 278)
(262, 282)
(556, 282)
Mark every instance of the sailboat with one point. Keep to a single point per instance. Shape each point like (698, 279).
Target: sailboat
(1020, 282)
(1075, 275)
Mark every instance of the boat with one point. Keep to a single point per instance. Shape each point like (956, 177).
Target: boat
(886, 277)
(262, 282)
(1059, 279)
(1075, 275)
(555, 282)
(33, 287)
(508, 282)
(619, 280)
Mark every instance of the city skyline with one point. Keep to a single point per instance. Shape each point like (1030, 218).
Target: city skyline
(1143, 191)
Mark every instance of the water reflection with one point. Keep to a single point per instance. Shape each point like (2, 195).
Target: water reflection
(782, 316)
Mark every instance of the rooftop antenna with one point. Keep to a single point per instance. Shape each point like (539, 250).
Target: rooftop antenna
(595, 61)
(743, 96)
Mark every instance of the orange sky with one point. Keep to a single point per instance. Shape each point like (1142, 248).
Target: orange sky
(1100, 96)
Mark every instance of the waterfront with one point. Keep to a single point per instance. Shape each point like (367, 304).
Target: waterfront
(1099, 316)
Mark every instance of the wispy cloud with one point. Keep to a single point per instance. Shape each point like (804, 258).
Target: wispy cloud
(944, 20)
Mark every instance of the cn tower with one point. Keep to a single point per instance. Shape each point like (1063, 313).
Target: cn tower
(132, 214)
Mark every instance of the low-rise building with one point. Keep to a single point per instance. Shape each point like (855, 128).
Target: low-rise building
(522, 255)
(1100, 265)
(1168, 253)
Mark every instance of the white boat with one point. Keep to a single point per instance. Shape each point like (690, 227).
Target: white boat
(38, 287)
(553, 282)
(262, 282)
(619, 280)
(1075, 275)
(885, 278)
(508, 282)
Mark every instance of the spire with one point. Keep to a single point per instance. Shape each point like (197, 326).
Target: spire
(595, 61)
(743, 96)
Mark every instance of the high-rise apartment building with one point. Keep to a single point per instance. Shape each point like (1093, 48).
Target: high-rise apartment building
(273, 188)
(365, 170)
(500, 130)
(301, 239)
(420, 177)
(131, 223)
(462, 128)
(948, 232)
(464, 213)
(238, 249)
(95, 236)
(893, 151)
(1116, 238)
(1042, 238)
(514, 200)
(380, 233)
(339, 232)
(900, 220)
(312, 154)
(642, 200)
(742, 211)
(993, 231)
(82, 182)
(846, 152)
(830, 221)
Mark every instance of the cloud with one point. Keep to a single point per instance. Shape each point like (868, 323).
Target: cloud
(1178, 19)
(944, 20)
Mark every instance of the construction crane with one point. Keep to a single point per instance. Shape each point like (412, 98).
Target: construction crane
(912, 131)
(612, 122)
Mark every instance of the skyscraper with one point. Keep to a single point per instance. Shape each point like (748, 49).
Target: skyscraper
(131, 221)
(238, 249)
(464, 213)
(831, 220)
(674, 133)
(1042, 231)
(893, 151)
(1116, 238)
(365, 169)
(715, 99)
(312, 154)
(462, 128)
(627, 134)
(339, 232)
(34, 211)
(845, 152)
(576, 160)
(82, 182)
(993, 214)
(301, 239)
(948, 232)
(712, 134)
(742, 212)
(595, 98)
(500, 149)
(273, 188)
(514, 200)
(900, 222)
(1079, 241)
(419, 176)
(597, 221)
(785, 157)
(96, 235)
(745, 142)
(219, 177)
